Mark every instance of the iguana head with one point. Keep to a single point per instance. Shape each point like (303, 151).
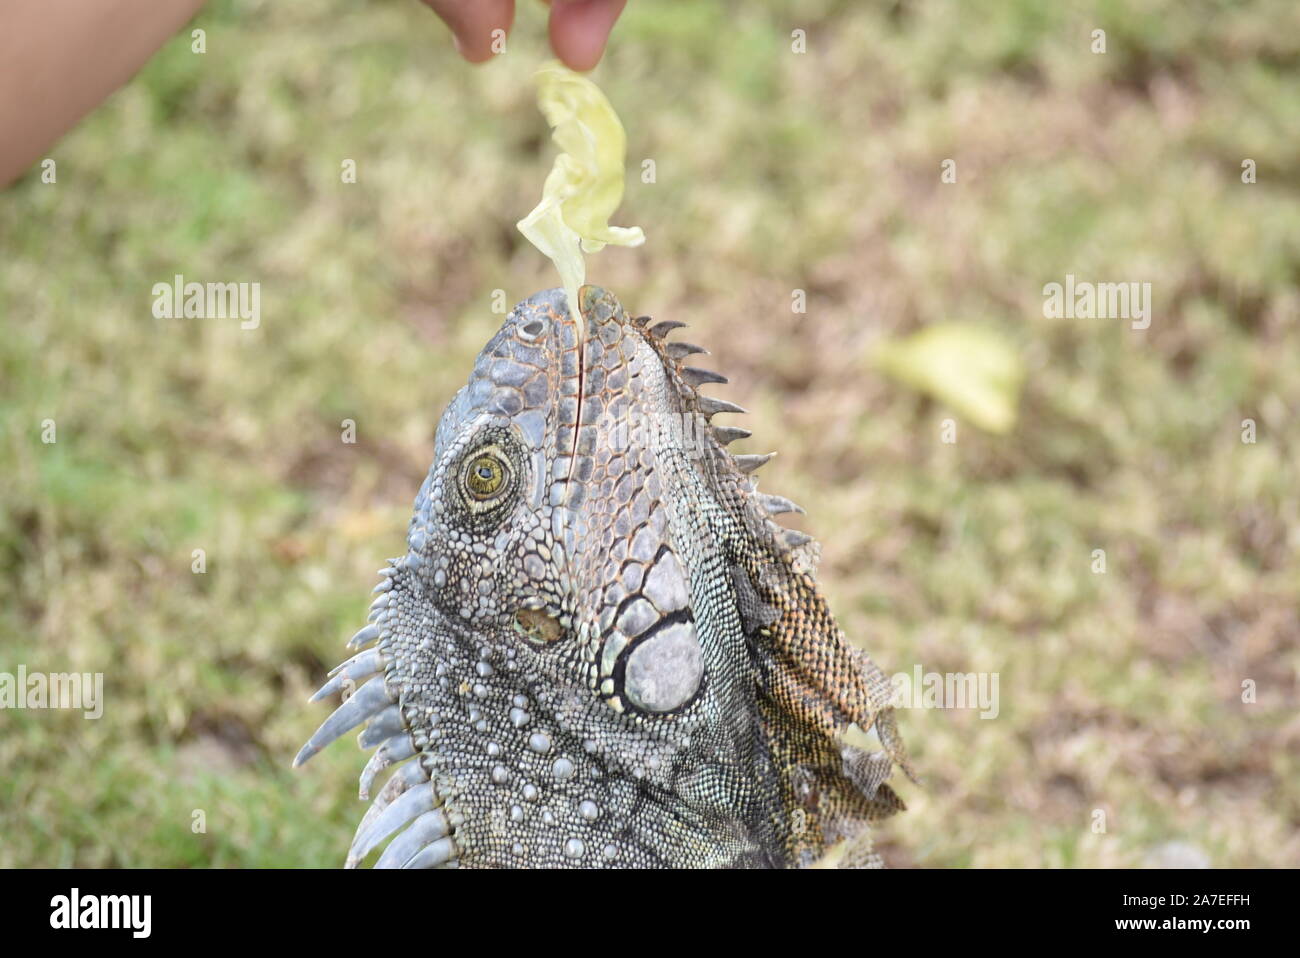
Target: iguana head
(599, 649)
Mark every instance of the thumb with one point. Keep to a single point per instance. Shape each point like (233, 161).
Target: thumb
(580, 28)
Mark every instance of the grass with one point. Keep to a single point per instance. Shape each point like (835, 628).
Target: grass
(1120, 692)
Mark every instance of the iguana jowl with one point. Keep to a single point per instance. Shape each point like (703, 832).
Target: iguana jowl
(600, 650)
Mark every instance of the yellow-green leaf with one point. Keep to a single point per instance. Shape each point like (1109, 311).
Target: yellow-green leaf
(969, 367)
(585, 185)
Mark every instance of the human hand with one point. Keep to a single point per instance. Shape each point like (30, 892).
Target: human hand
(578, 28)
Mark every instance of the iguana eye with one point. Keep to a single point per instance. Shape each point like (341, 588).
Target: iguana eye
(485, 478)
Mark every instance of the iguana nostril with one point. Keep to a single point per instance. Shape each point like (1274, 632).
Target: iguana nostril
(533, 329)
(537, 626)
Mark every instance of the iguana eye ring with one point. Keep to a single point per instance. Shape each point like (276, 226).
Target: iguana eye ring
(485, 476)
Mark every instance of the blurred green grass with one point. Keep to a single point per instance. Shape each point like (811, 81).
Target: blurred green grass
(775, 172)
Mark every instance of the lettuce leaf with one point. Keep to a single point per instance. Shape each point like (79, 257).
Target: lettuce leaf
(585, 185)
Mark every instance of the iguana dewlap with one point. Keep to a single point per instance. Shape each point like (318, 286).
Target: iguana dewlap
(600, 650)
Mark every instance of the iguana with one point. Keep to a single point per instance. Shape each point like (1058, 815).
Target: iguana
(600, 650)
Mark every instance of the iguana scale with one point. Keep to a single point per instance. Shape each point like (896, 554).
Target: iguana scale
(600, 650)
